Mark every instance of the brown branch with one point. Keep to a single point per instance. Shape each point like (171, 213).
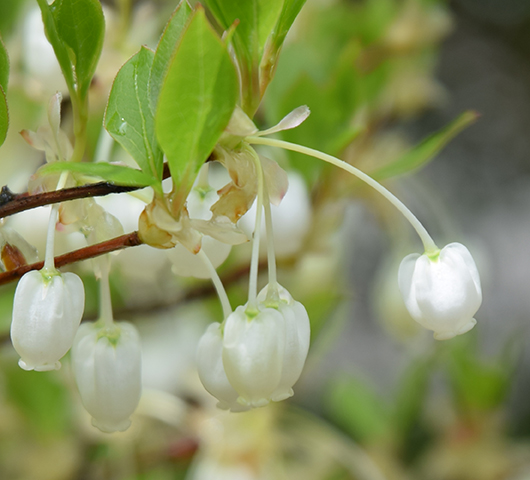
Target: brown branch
(11, 203)
(118, 243)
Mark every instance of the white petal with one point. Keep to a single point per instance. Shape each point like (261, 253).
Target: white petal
(252, 354)
(291, 120)
(297, 339)
(186, 264)
(54, 113)
(107, 370)
(276, 180)
(199, 203)
(221, 229)
(297, 333)
(291, 220)
(211, 370)
(455, 250)
(46, 316)
(405, 274)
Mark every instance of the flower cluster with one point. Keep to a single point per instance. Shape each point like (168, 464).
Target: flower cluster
(257, 355)
(258, 352)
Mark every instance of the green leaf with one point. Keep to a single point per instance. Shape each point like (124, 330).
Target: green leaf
(166, 46)
(4, 66)
(129, 119)
(427, 149)
(76, 29)
(269, 61)
(4, 116)
(288, 14)
(353, 406)
(120, 175)
(255, 20)
(196, 100)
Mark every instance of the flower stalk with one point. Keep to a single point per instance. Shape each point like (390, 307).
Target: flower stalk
(430, 247)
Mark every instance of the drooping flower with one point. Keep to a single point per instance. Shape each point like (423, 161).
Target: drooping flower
(107, 367)
(253, 354)
(442, 293)
(258, 356)
(47, 311)
(211, 370)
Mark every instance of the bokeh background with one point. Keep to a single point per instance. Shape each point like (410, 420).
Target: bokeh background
(379, 398)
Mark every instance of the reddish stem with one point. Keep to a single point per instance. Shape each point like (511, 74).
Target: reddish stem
(118, 243)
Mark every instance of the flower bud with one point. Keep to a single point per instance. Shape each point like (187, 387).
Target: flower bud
(107, 369)
(442, 293)
(47, 311)
(253, 353)
(211, 370)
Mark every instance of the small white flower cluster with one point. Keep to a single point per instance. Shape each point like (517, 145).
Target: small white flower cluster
(257, 355)
(47, 312)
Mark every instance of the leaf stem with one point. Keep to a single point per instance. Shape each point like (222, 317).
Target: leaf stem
(428, 242)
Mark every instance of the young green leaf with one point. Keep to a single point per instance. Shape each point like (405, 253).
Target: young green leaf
(76, 29)
(4, 66)
(166, 46)
(196, 101)
(4, 116)
(120, 175)
(289, 12)
(129, 118)
(427, 149)
(255, 18)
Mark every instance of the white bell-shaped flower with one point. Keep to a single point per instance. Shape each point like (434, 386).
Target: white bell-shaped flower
(442, 293)
(253, 354)
(47, 310)
(211, 370)
(296, 342)
(107, 369)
